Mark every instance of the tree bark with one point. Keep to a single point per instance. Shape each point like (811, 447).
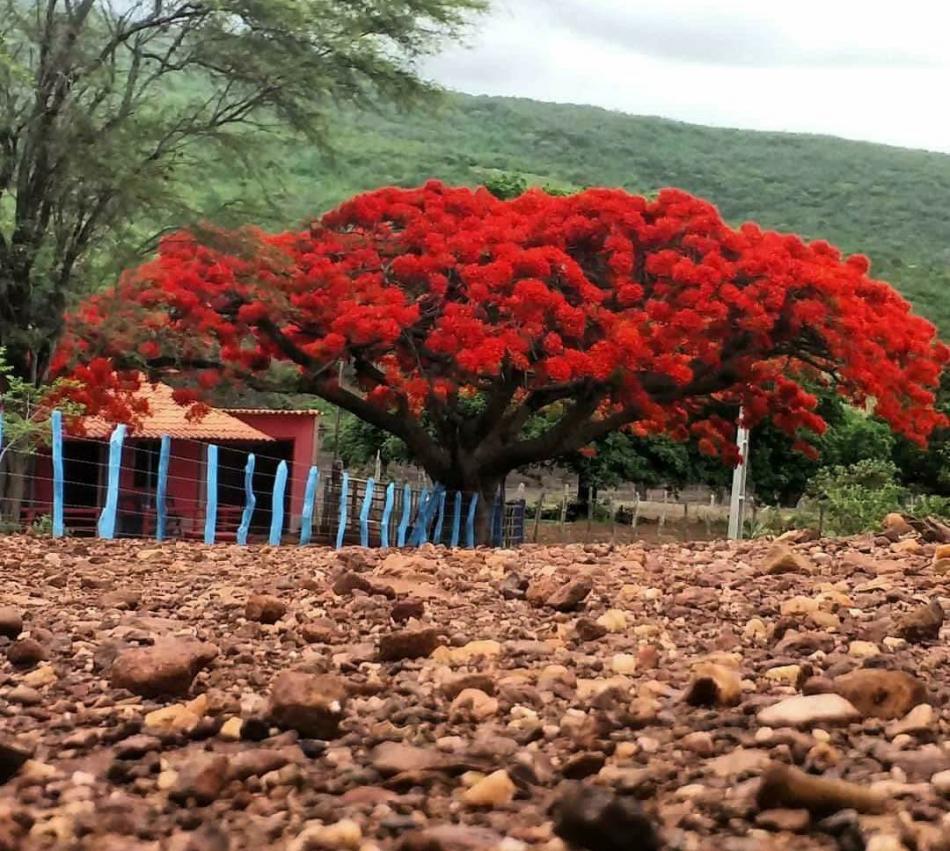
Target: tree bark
(14, 475)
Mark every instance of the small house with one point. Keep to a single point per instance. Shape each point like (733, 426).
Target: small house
(271, 435)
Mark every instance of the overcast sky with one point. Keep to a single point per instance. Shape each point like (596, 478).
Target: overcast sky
(870, 70)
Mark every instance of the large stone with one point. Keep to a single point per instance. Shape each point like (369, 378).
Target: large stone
(922, 623)
(349, 581)
(571, 595)
(391, 758)
(878, 693)
(264, 608)
(451, 837)
(494, 790)
(597, 819)
(11, 622)
(25, 653)
(13, 756)
(809, 711)
(783, 559)
(921, 719)
(409, 644)
(167, 668)
(201, 779)
(311, 704)
(786, 787)
(714, 685)
(895, 522)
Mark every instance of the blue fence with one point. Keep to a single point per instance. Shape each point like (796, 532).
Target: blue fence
(248, 504)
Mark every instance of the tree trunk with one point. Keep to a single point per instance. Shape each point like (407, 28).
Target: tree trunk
(14, 476)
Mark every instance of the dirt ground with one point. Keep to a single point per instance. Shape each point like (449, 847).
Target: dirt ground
(692, 696)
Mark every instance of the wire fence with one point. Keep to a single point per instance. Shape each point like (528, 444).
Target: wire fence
(180, 488)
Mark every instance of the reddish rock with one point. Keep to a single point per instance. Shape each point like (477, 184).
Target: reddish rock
(922, 623)
(201, 780)
(404, 610)
(165, 669)
(349, 581)
(311, 704)
(409, 644)
(11, 622)
(878, 693)
(571, 595)
(26, 652)
(265, 608)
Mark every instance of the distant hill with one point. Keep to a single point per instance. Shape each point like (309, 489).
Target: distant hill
(891, 203)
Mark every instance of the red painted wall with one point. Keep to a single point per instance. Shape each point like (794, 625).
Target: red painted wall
(302, 430)
(186, 473)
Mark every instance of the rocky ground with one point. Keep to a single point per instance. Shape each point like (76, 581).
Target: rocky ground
(707, 696)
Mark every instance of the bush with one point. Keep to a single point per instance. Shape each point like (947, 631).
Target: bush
(855, 497)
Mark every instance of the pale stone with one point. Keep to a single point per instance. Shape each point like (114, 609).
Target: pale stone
(461, 655)
(908, 545)
(941, 782)
(796, 606)
(624, 663)
(756, 631)
(809, 710)
(920, 719)
(167, 779)
(45, 675)
(884, 842)
(785, 674)
(492, 791)
(231, 730)
(177, 718)
(474, 703)
(825, 620)
(613, 620)
(343, 834)
(863, 649)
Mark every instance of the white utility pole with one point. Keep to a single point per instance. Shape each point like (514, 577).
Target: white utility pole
(738, 500)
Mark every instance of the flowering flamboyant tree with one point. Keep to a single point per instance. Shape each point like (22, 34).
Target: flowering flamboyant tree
(461, 316)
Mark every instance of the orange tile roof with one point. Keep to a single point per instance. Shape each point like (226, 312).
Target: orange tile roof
(281, 411)
(166, 416)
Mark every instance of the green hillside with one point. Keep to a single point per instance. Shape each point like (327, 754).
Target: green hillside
(891, 203)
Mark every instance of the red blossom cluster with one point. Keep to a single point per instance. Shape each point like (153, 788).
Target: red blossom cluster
(655, 305)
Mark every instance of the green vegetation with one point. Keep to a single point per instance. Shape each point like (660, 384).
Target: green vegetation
(890, 203)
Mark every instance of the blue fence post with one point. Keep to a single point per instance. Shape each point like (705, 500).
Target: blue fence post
(309, 498)
(250, 501)
(440, 519)
(406, 512)
(364, 512)
(344, 498)
(470, 522)
(418, 537)
(387, 513)
(211, 497)
(59, 527)
(456, 520)
(161, 489)
(107, 517)
(277, 505)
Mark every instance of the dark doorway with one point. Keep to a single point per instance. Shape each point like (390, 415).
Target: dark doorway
(231, 463)
(82, 463)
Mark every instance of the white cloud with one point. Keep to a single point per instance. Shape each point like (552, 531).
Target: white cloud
(871, 70)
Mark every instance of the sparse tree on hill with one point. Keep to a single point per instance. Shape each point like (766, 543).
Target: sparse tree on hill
(106, 106)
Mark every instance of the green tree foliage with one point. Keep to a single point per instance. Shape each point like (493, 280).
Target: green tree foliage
(856, 496)
(111, 113)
